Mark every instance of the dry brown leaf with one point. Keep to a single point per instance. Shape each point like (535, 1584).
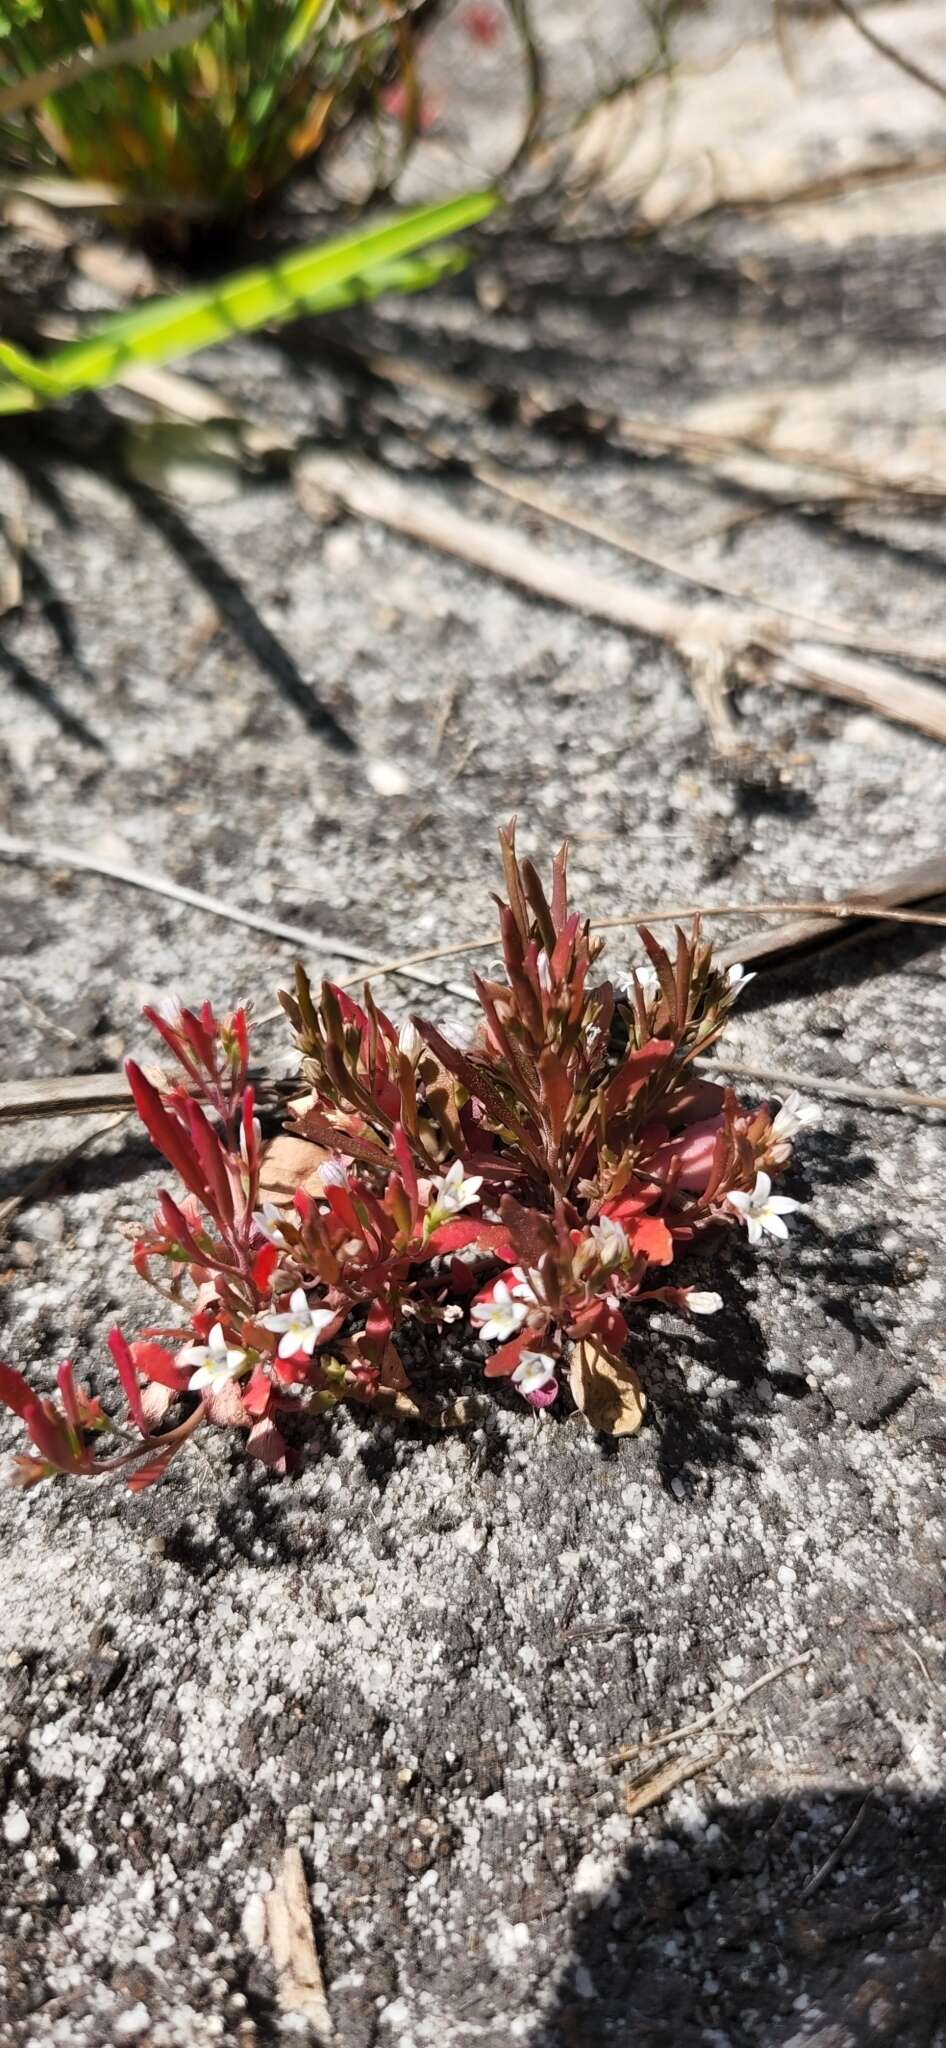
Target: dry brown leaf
(606, 1389)
(289, 1163)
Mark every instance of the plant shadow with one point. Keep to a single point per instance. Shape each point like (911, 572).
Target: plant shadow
(815, 1918)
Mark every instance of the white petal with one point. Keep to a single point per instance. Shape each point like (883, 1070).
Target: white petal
(217, 1343)
(290, 1343)
(740, 1200)
(298, 1303)
(277, 1322)
(754, 1228)
(774, 1225)
(782, 1205)
(193, 1354)
(321, 1317)
(762, 1189)
(202, 1378)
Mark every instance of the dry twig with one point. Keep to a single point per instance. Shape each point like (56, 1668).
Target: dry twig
(50, 1174)
(817, 1084)
(709, 1720)
(889, 50)
(652, 1786)
(831, 1862)
(707, 637)
(26, 852)
(295, 1956)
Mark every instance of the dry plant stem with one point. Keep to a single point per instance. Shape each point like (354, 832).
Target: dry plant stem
(796, 476)
(524, 491)
(23, 850)
(638, 1797)
(889, 50)
(295, 1956)
(707, 636)
(831, 1862)
(709, 1720)
(813, 1084)
(50, 1174)
(135, 49)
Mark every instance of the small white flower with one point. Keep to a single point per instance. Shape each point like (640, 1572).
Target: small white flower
(761, 1210)
(333, 1173)
(299, 1327)
(500, 1317)
(410, 1042)
(269, 1221)
(535, 1369)
(453, 1191)
(794, 1116)
(738, 978)
(611, 1241)
(215, 1362)
(528, 1286)
(544, 968)
(703, 1304)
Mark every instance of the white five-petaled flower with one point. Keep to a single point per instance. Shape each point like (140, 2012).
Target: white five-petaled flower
(501, 1316)
(269, 1221)
(215, 1362)
(453, 1191)
(761, 1210)
(611, 1241)
(535, 1369)
(738, 978)
(299, 1327)
(703, 1304)
(793, 1116)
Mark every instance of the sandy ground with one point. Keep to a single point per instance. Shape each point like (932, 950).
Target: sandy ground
(415, 1660)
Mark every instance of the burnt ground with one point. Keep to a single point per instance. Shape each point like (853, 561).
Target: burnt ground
(415, 1659)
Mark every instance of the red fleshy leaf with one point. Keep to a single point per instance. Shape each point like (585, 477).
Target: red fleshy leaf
(462, 1231)
(505, 1360)
(650, 1239)
(121, 1352)
(149, 1471)
(154, 1363)
(264, 1266)
(15, 1392)
(257, 1393)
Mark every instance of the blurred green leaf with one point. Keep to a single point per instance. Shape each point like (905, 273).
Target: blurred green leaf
(314, 280)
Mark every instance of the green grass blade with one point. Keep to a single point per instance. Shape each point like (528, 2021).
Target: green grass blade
(315, 279)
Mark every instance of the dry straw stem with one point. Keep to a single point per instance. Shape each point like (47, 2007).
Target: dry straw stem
(136, 49)
(708, 1720)
(824, 1870)
(710, 638)
(796, 475)
(24, 851)
(653, 1786)
(295, 1956)
(812, 924)
(814, 1084)
(889, 50)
